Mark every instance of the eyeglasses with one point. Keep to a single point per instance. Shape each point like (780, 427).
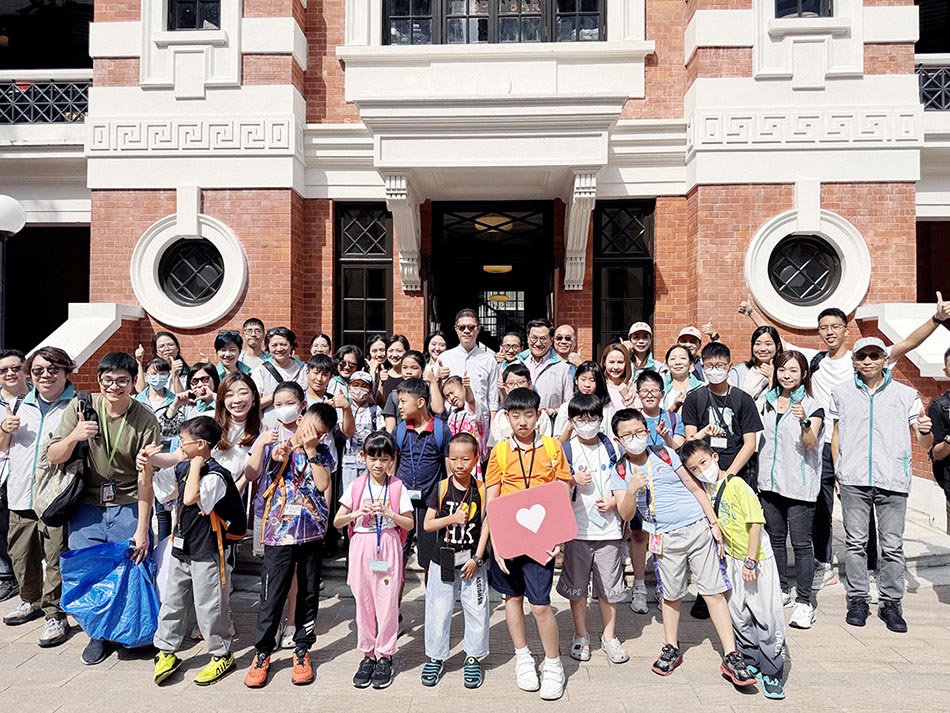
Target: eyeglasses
(254, 330)
(348, 365)
(122, 382)
(191, 443)
(517, 385)
(201, 380)
(649, 392)
(13, 370)
(586, 419)
(466, 327)
(510, 347)
(638, 434)
(864, 356)
(538, 340)
(40, 370)
(715, 365)
(825, 328)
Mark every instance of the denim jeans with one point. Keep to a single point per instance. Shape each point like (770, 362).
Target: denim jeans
(6, 565)
(440, 603)
(93, 524)
(821, 529)
(784, 517)
(857, 504)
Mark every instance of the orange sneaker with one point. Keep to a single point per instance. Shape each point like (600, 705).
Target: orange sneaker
(257, 675)
(303, 670)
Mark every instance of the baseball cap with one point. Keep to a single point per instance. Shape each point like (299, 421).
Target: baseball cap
(866, 342)
(639, 327)
(690, 332)
(362, 376)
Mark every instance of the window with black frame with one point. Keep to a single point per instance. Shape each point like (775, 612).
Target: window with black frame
(623, 268)
(423, 22)
(194, 14)
(363, 293)
(804, 8)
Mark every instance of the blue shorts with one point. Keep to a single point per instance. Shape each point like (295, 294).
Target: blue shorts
(635, 524)
(526, 578)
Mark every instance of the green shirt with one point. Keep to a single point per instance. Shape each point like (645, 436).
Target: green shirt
(140, 429)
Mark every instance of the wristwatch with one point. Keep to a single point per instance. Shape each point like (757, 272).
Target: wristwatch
(805, 423)
(946, 439)
(315, 458)
(750, 564)
(478, 561)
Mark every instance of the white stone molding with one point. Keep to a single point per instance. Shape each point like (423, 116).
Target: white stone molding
(88, 326)
(190, 62)
(404, 205)
(840, 234)
(580, 205)
(193, 135)
(147, 255)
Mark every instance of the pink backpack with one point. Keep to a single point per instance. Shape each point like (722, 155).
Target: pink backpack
(395, 493)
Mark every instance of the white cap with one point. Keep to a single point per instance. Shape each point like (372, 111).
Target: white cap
(691, 332)
(639, 327)
(865, 342)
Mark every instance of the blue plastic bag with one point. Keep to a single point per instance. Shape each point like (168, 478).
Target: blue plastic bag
(110, 596)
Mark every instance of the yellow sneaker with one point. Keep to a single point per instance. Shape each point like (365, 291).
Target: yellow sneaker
(166, 664)
(218, 668)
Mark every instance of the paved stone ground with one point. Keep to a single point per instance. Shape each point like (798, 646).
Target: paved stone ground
(833, 667)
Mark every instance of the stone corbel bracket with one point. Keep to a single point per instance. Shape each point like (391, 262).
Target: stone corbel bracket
(580, 203)
(404, 205)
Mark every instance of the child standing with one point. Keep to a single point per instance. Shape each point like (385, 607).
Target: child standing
(197, 575)
(374, 507)
(464, 416)
(516, 464)
(367, 417)
(456, 512)
(598, 551)
(295, 514)
(756, 601)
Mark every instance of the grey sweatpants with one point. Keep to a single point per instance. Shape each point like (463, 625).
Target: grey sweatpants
(198, 582)
(758, 618)
(440, 603)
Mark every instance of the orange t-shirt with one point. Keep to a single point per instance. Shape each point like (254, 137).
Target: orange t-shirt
(542, 471)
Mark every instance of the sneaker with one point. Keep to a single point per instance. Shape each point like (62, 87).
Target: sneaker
(257, 675)
(699, 610)
(858, 611)
(890, 613)
(217, 668)
(432, 672)
(825, 576)
(638, 601)
(552, 681)
(526, 672)
(670, 659)
(872, 587)
(303, 669)
(95, 652)
(473, 673)
(8, 589)
(166, 663)
(55, 632)
(614, 650)
(287, 638)
(803, 616)
(24, 613)
(772, 687)
(734, 668)
(364, 674)
(580, 649)
(383, 673)
(787, 599)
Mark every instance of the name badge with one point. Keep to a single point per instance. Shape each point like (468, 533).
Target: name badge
(378, 566)
(462, 557)
(656, 543)
(596, 519)
(415, 495)
(350, 459)
(178, 542)
(293, 509)
(718, 442)
(649, 526)
(107, 493)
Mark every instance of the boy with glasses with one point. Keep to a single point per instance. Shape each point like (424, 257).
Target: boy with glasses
(117, 503)
(253, 354)
(871, 451)
(12, 390)
(509, 350)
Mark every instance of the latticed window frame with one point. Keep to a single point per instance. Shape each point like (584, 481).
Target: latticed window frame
(821, 249)
(173, 285)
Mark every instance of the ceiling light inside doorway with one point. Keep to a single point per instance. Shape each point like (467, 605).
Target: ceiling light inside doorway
(497, 298)
(497, 269)
(493, 223)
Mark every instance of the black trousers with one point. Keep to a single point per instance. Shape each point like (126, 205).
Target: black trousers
(281, 563)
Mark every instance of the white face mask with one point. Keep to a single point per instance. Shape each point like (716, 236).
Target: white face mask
(715, 376)
(358, 393)
(587, 430)
(635, 445)
(287, 414)
(157, 381)
(710, 474)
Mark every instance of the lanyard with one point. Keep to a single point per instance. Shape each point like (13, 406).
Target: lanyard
(526, 476)
(378, 518)
(720, 416)
(651, 492)
(106, 439)
(595, 474)
(414, 464)
(467, 499)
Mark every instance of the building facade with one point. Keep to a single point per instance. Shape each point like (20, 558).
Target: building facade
(361, 166)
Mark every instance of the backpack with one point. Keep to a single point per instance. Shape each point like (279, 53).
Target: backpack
(438, 430)
(322, 507)
(228, 519)
(356, 490)
(501, 451)
(659, 451)
(722, 491)
(611, 453)
(815, 362)
(58, 487)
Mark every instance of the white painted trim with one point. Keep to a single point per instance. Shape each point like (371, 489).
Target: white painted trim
(787, 26)
(115, 39)
(718, 28)
(932, 60)
(143, 272)
(88, 326)
(39, 75)
(580, 205)
(891, 24)
(187, 208)
(274, 35)
(404, 205)
(58, 211)
(898, 320)
(808, 206)
(628, 49)
(841, 235)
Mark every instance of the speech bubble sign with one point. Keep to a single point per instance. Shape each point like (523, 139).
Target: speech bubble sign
(531, 522)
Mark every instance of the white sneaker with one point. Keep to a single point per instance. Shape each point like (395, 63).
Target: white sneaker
(526, 672)
(803, 616)
(552, 681)
(25, 612)
(287, 639)
(54, 633)
(825, 576)
(638, 601)
(787, 599)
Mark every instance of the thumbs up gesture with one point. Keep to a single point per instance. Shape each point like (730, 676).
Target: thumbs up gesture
(583, 477)
(466, 380)
(11, 422)
(943, 309)
(444, 372)
(924, 423)
(139, 354)
(745, 307)
(84, 430)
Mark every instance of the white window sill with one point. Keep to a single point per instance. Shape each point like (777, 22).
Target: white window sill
(631, 49)
(213, 38)
(787, 26)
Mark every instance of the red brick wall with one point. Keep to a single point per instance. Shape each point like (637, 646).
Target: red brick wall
(693, 5)
(324, 77)
(268, 69)
(313, 266)
(116, 72)
(117, 10)
(889, 58)
(275, 8)
(675, 266)
(719, 62)
(665, 75)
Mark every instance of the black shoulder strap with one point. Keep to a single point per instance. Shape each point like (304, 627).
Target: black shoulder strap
(273, 371)
(722, 490)
(815, 362)
(18, 403)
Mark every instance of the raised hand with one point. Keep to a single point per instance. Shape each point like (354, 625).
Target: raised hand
(460, 516)
(139, 354)
(943, 309)
(583, 476)
(84, 430)
(11, 422)
(798, 411)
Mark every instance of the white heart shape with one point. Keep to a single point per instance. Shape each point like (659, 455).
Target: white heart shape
(531, 518)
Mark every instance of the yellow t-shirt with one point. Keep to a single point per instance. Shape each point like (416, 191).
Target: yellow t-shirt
(738, 509)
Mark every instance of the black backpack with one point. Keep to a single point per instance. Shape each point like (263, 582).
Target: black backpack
(815, 362)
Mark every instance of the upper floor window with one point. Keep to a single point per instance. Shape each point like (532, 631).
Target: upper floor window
(45, 35)
(194, 14)
(423, 22)
(804, 8)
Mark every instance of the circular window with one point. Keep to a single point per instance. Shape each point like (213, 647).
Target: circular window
(191, 271)
(804, 269)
